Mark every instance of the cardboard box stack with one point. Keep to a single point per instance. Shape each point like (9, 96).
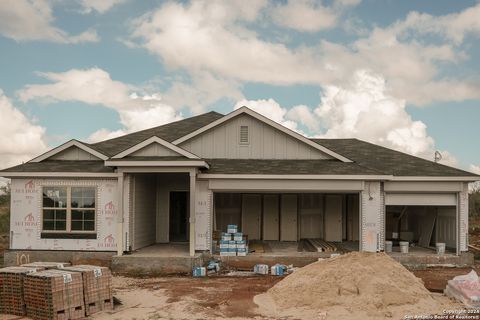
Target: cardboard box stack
(54, 295)
(97, 287)
(233, 243)
(11, 289)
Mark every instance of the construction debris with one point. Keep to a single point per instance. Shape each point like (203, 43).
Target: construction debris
(261, 269)
(199, 271)
(357, 285)
(11, 289)
(322, 246)
(54, 295)
(465, 289)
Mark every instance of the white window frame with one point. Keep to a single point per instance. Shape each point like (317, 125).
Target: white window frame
(68, 209)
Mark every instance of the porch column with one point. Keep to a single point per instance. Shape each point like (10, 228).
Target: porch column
(120, 217)
(193, 175)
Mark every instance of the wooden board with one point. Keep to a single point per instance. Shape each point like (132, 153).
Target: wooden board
(427, 228)
(322, 245)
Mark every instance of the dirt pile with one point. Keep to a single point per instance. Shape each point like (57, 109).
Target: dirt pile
(352, 286)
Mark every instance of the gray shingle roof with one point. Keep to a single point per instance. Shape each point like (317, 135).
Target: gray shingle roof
(169, 132)
(257, 166)
(369, 159)
(388, 161)
(61, 166)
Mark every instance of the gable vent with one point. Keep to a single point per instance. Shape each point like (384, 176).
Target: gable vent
(244, 138)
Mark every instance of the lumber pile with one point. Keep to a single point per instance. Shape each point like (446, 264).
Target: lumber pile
(11, 290)
(97, 287)
(54, 295)
(322, 245)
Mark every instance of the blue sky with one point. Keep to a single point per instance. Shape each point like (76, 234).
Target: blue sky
(404, 74)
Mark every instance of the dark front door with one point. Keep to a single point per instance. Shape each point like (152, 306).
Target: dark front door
(178, 216)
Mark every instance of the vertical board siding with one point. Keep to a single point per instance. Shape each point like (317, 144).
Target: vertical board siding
(73, 153)
(265, 142)
(154, 150)
(145, 210)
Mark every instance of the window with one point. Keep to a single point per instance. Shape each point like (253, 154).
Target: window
(244, 138)
(69, 209)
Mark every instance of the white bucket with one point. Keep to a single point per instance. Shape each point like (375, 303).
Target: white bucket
(388, 246)
(404, 246)
(440, 248)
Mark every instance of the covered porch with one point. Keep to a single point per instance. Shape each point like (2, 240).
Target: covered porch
(158, 211)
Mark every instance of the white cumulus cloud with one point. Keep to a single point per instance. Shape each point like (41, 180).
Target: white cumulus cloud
(363, 109)
(218, 38)
(21, 139)
(475, 169)
(95, 87)
(24, 20)
(100, 6)
(270, 109)
(309, 15)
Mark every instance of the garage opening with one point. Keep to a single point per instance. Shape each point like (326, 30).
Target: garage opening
(291, 221)
(423, 227)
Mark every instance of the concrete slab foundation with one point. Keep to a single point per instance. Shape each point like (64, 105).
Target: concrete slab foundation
(18, 257)
(419, 260)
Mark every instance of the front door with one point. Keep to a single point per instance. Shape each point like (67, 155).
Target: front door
(178, 216)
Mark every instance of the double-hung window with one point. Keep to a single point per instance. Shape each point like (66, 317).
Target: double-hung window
(69, 209)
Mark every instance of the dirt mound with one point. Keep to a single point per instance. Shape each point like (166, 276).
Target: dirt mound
(355, 285)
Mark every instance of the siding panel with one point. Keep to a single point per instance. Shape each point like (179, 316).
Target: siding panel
(144, 206)
(266, 142)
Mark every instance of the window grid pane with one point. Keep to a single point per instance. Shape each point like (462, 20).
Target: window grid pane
(81, 209)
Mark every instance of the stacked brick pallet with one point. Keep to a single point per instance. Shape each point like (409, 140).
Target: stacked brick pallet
(54, 295)
(97, 287)
(47, 265)
(11, 289)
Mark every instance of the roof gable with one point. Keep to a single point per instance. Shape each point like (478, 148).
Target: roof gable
(272, 124)
(155, 147)
(167, 132)
(71, 150)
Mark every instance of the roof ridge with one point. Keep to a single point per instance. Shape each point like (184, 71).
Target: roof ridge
(156, 127)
